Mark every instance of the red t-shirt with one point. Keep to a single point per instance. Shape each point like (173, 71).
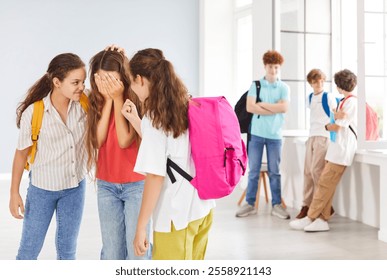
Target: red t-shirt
(115, 164)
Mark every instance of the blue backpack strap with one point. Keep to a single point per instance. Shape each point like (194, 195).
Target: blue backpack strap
(325, 103)
(310, 98)
(338, 99)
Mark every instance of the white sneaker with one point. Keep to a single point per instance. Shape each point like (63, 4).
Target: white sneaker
(246, 210)
(300, 224)
(317, 225)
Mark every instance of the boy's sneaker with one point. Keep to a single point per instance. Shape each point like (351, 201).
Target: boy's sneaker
(280, 212)
(300, 224)
(303, 213)
(317, 225)
(246, 210)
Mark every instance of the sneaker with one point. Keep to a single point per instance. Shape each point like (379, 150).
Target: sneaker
(300, 224)
(280, 212)
(317, 225)
(303, 213)
(246, 210)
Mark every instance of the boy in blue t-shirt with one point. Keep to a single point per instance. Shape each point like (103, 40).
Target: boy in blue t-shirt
(266, 130)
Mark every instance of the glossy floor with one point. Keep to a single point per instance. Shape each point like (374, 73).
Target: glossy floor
(260, 236)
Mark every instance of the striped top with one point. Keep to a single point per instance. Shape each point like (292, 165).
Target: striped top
(61, 156)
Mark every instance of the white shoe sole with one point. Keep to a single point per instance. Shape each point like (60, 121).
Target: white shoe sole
(246, 214)
(280, 216)
(316, 230)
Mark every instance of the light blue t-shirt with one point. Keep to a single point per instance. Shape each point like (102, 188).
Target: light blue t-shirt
(269, 126)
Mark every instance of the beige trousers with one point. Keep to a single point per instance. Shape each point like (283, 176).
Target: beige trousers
(316, 149)
(323, 195)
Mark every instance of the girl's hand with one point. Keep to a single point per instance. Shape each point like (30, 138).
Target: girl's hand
(109, 86)
(129, 110)
(140, 243)
(16, 203)
(114, 47)
(101, 87)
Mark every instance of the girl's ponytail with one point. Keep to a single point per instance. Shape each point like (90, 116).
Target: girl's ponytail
(37, 92)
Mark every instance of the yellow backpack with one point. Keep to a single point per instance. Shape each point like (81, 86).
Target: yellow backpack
(36, 124)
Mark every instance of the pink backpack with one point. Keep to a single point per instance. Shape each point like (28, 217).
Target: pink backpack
(372, 124)
(372, 121)
(218, 150)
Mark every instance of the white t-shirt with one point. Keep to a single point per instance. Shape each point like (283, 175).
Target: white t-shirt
(343, 150)
(179, 202)
(318, 117)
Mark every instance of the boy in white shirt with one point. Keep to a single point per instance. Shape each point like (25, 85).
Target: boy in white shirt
(320, 104)
(340, 154)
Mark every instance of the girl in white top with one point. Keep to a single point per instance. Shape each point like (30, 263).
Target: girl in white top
(181, 220)
(57, 175)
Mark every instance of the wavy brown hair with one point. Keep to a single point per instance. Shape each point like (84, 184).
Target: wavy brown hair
(167, 103)
(272, 57)
(58, 68)
(315, 75)
(346, 80)
(108, 61)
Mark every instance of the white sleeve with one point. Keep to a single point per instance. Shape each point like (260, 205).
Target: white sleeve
(24, 140)
(152, 156)
(350, 108)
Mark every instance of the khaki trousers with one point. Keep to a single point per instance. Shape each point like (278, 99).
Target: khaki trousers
(316, 149)
(323, 195)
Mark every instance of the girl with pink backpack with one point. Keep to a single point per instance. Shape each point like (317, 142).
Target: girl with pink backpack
(181, 219)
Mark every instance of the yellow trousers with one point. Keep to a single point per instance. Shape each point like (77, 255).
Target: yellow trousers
(189, 243)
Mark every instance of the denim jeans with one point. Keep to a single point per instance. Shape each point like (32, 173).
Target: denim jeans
(273, 154)
(39, 209)
(119, 206)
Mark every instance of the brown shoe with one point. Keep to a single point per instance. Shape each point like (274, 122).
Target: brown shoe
(303, 213)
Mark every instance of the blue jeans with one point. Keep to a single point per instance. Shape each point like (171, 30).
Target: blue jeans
(119, 206)
(273, 154)
(39, 209)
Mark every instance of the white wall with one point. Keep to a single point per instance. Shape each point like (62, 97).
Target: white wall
(33, 32)
(216, 48)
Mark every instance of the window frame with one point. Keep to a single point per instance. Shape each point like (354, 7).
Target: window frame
(361, 76)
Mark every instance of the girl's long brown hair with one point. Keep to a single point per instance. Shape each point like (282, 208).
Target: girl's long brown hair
(167, 103)
(59, 67)
(107, 61)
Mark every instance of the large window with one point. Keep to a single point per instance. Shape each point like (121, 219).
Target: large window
(305, 42)
(373, 61)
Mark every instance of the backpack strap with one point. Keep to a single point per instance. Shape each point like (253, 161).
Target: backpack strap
(325, 103)
(344, 99)
(258, 87)
(36, 124)
(341, 103)
(172, 165)
(324, 100)
(84, 101)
